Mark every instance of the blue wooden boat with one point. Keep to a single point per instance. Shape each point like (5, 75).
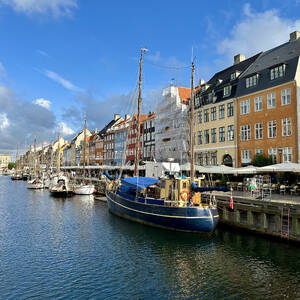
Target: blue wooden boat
(143, 199)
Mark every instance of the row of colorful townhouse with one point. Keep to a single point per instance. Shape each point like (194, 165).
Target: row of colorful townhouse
(251, 107)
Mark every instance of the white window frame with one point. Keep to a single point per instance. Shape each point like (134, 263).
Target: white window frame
(272, 153)
(258, 131)
(251, 81)
(258, 103)
(287, 154)
(245, 107)
(271, 100)
(286, 96)
(246, 156)
(245, 133)
(286, 126)
(272, 129)
(226, 90)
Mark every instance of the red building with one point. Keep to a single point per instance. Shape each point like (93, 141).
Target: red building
(132, 135)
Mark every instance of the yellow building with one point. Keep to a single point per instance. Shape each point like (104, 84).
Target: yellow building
(5, 159)
(215, 115)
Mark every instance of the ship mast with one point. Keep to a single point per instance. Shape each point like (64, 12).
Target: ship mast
(17, 157)
(58, 158)
(34, 156)
(192, 124)
(84, 146)
(138, 137)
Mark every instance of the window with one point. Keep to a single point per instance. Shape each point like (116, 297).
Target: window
(259, 152)
(199, 137)
(214, 135)
(287, 154)
(271, 100)
(210, 97)
(213, 113)
(226, 90)
(221, 111)
(207, 158)
(272, 129)
(246, 156)
(232, 76)
(272, 153)
(286, 126)
(258, 131)
(200, 159)
(214, 158)
(286, 96)
(258, 103)
(200, 117)
(230, 109)
(277, 72)
(245, 133)
(222, 134)
(251, 81)
(245, 107)
(206, 115)
(206, 136)
(230, 133)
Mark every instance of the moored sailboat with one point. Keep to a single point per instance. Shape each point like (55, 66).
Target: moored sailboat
(16, 175)
(61, 187)
(171, 203)
(84, 188)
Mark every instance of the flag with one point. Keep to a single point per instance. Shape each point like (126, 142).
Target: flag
(231, 201)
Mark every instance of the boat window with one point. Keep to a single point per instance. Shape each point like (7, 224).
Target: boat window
(184, 185)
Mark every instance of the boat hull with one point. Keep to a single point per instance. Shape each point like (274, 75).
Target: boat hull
(35, 186)
(192, 219)
(84, 190)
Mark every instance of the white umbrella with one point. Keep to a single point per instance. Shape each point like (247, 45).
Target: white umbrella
(222, 169)
(283, 167)
(247, 170)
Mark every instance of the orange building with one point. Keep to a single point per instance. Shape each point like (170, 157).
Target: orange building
(267, 105)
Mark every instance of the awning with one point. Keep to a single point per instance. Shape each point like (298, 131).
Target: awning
(138, 183)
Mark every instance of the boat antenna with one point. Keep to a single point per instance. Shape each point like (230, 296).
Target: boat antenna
(34, 155)
(137, 145)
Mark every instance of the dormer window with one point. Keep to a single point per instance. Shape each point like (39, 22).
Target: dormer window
(226, 90)
(210, 97)
(277, 72)
(232, 76)
(251, 81)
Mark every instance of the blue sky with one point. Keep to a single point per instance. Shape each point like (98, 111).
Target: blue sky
(59, 58)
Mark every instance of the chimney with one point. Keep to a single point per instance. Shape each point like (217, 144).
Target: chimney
(239, 58)
(294, 36)
(116, 117)
(127, 116)
(201, 81)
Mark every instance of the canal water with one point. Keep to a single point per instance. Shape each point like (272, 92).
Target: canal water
(52, 248)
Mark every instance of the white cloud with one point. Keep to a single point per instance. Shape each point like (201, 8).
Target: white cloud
(43, 53)
(42, 102)
(4, 122)
(55, 7)
(64, 130)
(258, 31)
(62, 81)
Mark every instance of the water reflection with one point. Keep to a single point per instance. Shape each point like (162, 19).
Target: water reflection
(73, 247)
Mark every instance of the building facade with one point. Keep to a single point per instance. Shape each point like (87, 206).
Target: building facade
(149, 137)
(172, 125)
(268, 108)
(215, 116)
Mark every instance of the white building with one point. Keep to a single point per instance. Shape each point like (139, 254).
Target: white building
(171, 125)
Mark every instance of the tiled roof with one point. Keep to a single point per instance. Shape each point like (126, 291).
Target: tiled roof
(184, 94)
